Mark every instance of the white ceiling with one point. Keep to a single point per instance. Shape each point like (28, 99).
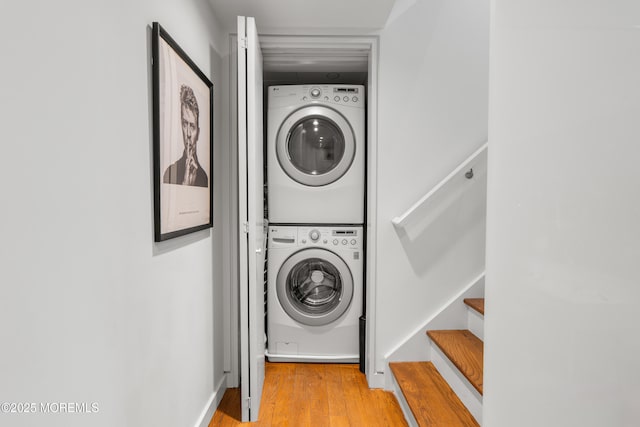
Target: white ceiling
(306, 16)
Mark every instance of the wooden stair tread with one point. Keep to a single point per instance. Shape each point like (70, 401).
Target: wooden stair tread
(465, 350)
(476, 303)
(432, 402)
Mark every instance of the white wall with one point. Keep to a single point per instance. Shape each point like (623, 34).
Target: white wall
(432, 115)
(91, 309)
(561, 328)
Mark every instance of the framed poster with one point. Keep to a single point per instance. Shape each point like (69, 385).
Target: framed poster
(182, 141)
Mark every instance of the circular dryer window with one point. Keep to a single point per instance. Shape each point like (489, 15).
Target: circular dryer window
(314, 287)
(315, 146)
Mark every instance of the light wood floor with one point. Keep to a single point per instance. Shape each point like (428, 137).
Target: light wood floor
(314, 395)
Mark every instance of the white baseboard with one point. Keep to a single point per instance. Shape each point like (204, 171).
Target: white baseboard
(212, 404)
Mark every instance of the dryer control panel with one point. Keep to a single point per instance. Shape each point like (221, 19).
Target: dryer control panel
(346, 95)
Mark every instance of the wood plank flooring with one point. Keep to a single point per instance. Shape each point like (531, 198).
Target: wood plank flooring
(314, 395)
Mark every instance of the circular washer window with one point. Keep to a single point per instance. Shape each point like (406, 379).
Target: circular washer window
(314, 287)
(315, 146)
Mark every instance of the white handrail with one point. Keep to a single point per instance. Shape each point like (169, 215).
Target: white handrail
(436, 201)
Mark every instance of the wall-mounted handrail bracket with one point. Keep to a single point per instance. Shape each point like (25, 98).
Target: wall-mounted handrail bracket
(469, 174)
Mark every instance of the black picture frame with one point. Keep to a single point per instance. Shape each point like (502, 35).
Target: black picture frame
(182, 140)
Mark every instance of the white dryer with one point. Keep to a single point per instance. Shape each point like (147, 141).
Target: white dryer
(314, 293)
(316, 154)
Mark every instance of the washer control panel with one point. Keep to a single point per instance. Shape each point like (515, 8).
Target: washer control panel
(339, 238)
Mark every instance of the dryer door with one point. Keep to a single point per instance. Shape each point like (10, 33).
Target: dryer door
(315, 146)
(314, 286)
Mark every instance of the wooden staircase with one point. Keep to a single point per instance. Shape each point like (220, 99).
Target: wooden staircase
(447, 391)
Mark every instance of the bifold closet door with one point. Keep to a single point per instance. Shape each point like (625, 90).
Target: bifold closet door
(252, 237)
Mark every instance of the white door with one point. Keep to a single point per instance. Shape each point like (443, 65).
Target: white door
(251, 212)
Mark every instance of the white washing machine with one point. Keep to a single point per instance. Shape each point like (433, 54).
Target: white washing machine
(314, 293)
(316, 154)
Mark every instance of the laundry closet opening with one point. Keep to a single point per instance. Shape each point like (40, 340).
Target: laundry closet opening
(315, 197)
(341, 69)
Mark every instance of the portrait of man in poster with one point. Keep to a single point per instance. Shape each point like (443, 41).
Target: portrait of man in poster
(187, 170)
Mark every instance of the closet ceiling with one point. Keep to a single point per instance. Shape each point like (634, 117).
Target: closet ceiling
(307, 16)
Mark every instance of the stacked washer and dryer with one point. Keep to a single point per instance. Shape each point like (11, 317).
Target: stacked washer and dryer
(316, 186)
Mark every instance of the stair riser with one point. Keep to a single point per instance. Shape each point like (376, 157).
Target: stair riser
(408, 415)
(475, 323)
(460, 385)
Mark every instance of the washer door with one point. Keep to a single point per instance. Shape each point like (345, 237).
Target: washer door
(314, 286)
(315, 146)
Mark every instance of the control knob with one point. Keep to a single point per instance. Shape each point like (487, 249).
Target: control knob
(315, 92)
(314, 235)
